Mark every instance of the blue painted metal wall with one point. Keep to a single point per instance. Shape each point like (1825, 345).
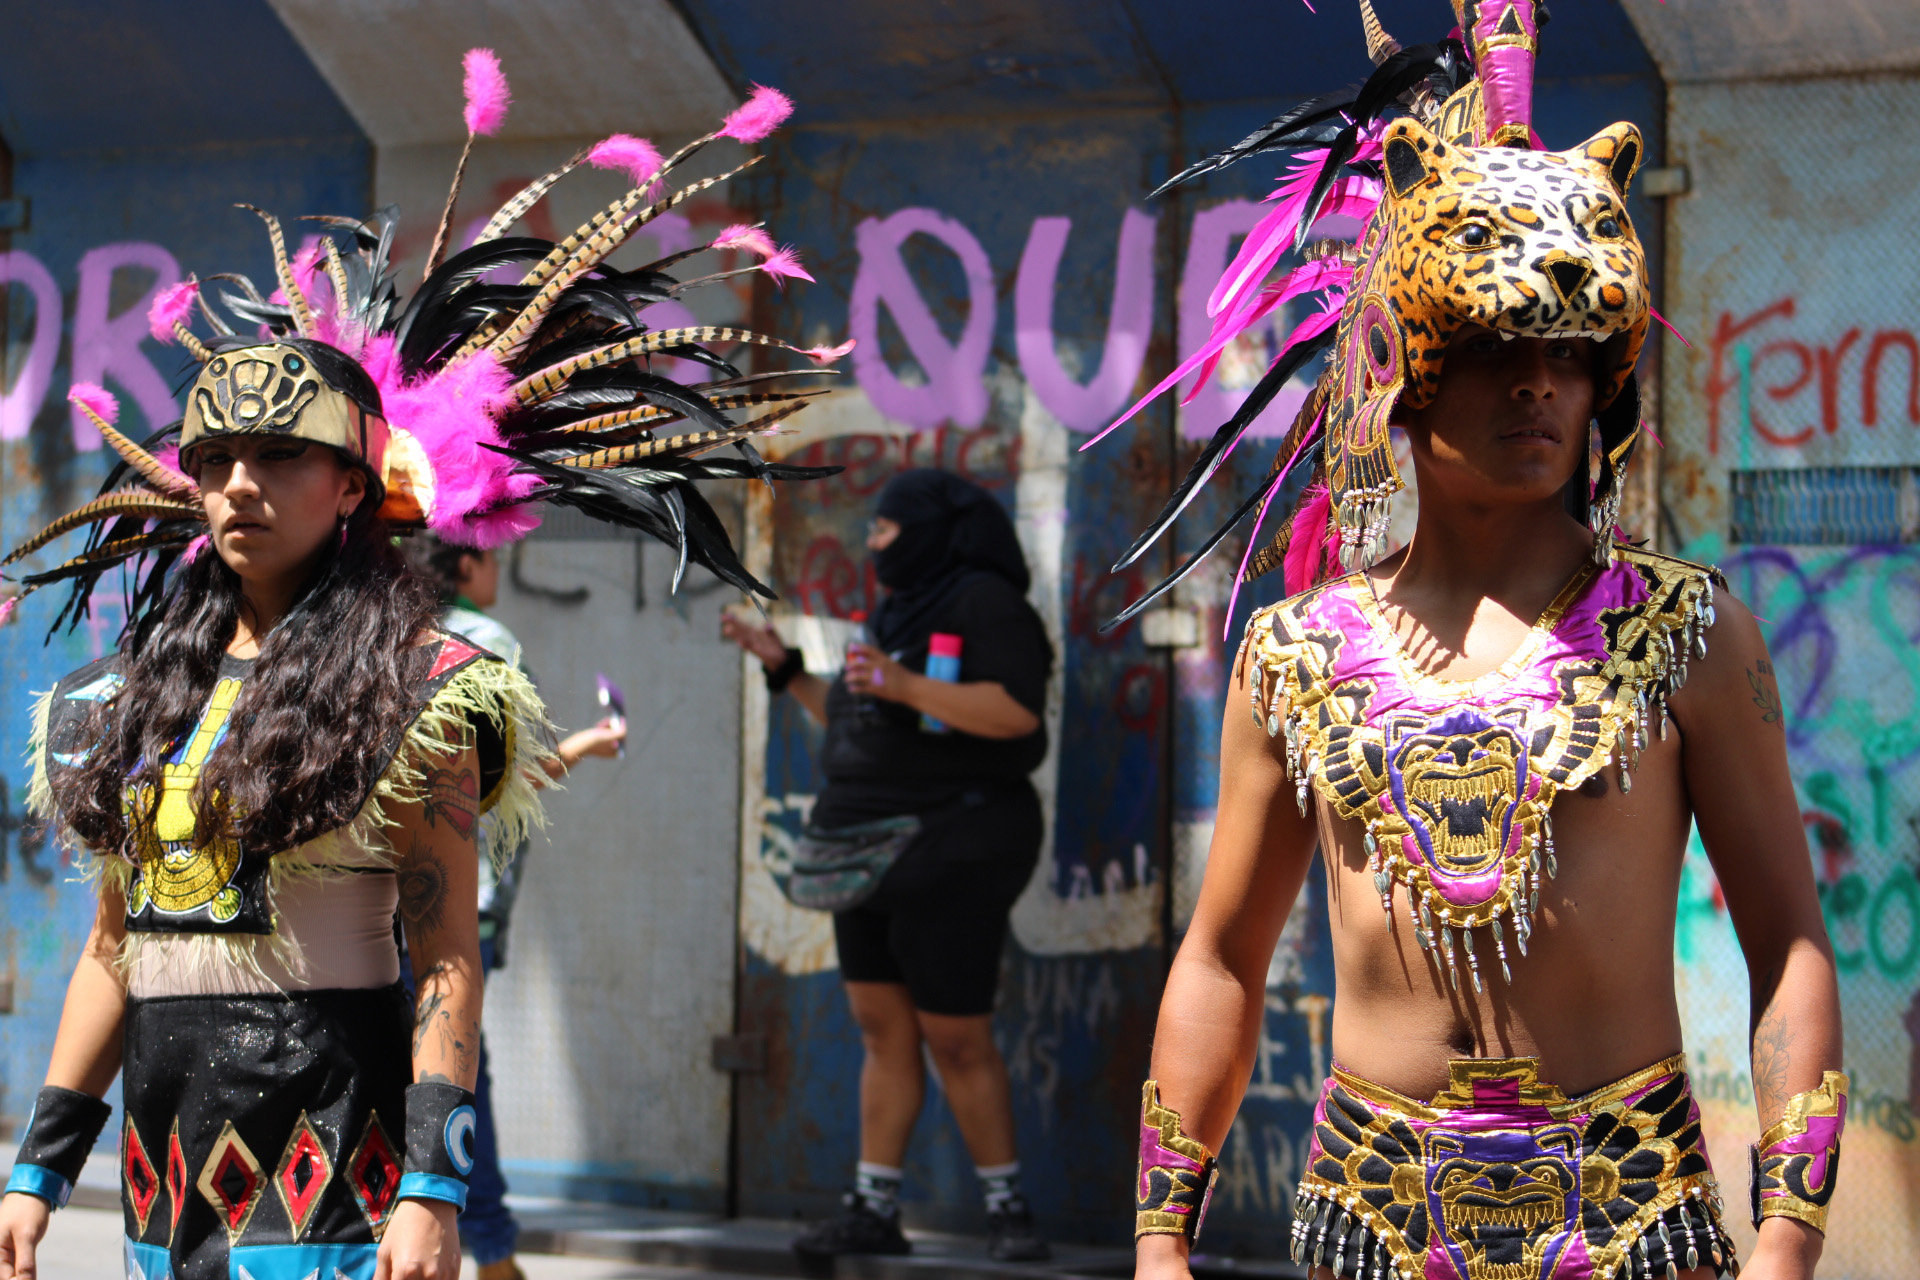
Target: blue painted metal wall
(133, 129)
(992, 119)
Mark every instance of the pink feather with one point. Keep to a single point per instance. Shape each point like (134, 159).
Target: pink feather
(170, 307)
(785, 264)
(1670, 329)
(452, 416)
(744, 236)
(487, 94)
(827, 355)
(639, 158)
(1306, 546)
(194, 549)
(764, 111)
(1310, 441)
(7, 607)
(306, 268)
(1323, 273)
(96, 398)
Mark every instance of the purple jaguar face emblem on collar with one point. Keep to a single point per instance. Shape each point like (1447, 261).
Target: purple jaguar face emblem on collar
(1456, 779)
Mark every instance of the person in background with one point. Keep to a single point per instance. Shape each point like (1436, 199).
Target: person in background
(921, 956)
(469, 584)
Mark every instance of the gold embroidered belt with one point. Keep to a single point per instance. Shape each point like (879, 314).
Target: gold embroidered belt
(1502, 1177)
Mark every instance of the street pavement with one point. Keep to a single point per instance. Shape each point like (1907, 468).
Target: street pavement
(84, 1244)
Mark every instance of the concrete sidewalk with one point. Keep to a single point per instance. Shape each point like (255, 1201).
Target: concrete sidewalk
(569, 1240)
(84, 1244)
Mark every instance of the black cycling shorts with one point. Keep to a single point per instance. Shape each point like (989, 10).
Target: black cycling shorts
(938, 922)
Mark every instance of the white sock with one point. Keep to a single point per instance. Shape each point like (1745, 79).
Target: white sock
(999, 1185)
(878, 1186)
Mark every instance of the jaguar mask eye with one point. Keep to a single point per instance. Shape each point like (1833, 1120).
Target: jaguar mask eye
(1473, 235)
(1608, 227)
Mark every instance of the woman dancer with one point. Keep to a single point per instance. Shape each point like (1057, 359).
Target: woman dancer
(287, 747)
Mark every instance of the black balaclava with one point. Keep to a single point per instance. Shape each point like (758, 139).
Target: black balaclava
(950, 530)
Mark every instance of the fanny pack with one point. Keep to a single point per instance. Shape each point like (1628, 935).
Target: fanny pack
(838, 868)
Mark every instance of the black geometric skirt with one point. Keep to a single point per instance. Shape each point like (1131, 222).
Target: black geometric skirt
(263, 1132)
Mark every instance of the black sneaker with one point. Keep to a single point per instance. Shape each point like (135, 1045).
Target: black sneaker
(1011, 1237)
(855, 1229)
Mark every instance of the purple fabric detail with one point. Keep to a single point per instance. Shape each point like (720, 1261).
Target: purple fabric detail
(1451, 731)
(1821, 1141)
(1474, 1170)
(1155, 1155)
(1506, 72)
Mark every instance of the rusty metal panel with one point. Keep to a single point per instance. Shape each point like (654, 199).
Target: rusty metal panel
(1792, 273)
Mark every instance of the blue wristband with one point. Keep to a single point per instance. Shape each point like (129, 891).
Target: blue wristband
(45, 1183)
(431, 1186)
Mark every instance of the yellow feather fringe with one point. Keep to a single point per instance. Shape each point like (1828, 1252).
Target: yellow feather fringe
(484, 688)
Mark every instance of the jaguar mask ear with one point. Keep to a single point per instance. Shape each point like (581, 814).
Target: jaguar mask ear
(1412, 155)
(1615, 151)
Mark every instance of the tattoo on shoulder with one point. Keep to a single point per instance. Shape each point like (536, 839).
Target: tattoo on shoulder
(1766, 691)
(453, 794)
(423, 889)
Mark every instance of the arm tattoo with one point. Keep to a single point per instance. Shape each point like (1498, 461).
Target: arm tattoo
(1773, 1047)
(423, 890)
(453, 794)
(1766, 693)
(457, 1041)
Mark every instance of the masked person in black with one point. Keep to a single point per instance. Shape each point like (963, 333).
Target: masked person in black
(921, 955)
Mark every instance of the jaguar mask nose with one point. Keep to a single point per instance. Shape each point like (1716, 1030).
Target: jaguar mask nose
(1567, 273)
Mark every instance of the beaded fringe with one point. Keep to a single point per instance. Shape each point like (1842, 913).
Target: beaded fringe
(1327, 1234)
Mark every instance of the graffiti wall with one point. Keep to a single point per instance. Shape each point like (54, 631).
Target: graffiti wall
(1793, 431)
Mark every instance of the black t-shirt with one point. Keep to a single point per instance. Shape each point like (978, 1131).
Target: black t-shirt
(879, 761)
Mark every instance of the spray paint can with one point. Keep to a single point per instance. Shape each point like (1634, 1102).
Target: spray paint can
(943, 663)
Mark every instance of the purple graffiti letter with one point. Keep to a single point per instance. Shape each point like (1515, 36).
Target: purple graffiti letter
(1129, 322)
(1209, 248)
(18, 406)
(108, 346)
(955, 390)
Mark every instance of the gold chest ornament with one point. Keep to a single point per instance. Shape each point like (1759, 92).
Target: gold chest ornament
(1455, 780)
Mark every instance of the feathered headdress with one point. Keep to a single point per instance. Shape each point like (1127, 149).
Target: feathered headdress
(480, 399)
(1542, 236)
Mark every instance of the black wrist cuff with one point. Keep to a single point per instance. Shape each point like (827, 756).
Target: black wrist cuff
(58, 1138)
(778, 678)
(440, 1124)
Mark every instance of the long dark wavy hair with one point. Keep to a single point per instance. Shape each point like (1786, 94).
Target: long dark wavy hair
(334, 683)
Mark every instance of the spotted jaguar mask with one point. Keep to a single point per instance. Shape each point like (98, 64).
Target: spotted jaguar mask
(1527, 243)
(1531, 244)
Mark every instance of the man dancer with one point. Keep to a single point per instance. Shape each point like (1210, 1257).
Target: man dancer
(1498, 735)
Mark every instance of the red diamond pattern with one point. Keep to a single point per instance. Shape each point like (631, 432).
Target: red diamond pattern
(374, 1174)
(232, 1182)
(452, 654)
(302, 1175)
(176, 1179)
(136, 1171)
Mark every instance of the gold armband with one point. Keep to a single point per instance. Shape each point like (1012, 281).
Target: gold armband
(1797, 1161)
(1176, 1173)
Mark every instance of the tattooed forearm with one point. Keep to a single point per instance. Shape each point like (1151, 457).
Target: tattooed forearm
(1773, 1049)
(453, 794)
(442, 1036)
(1766, 691)
(423, 890)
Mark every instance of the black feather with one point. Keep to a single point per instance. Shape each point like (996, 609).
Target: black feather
(1296, 477)
(1277, 132)
(1210, 457)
